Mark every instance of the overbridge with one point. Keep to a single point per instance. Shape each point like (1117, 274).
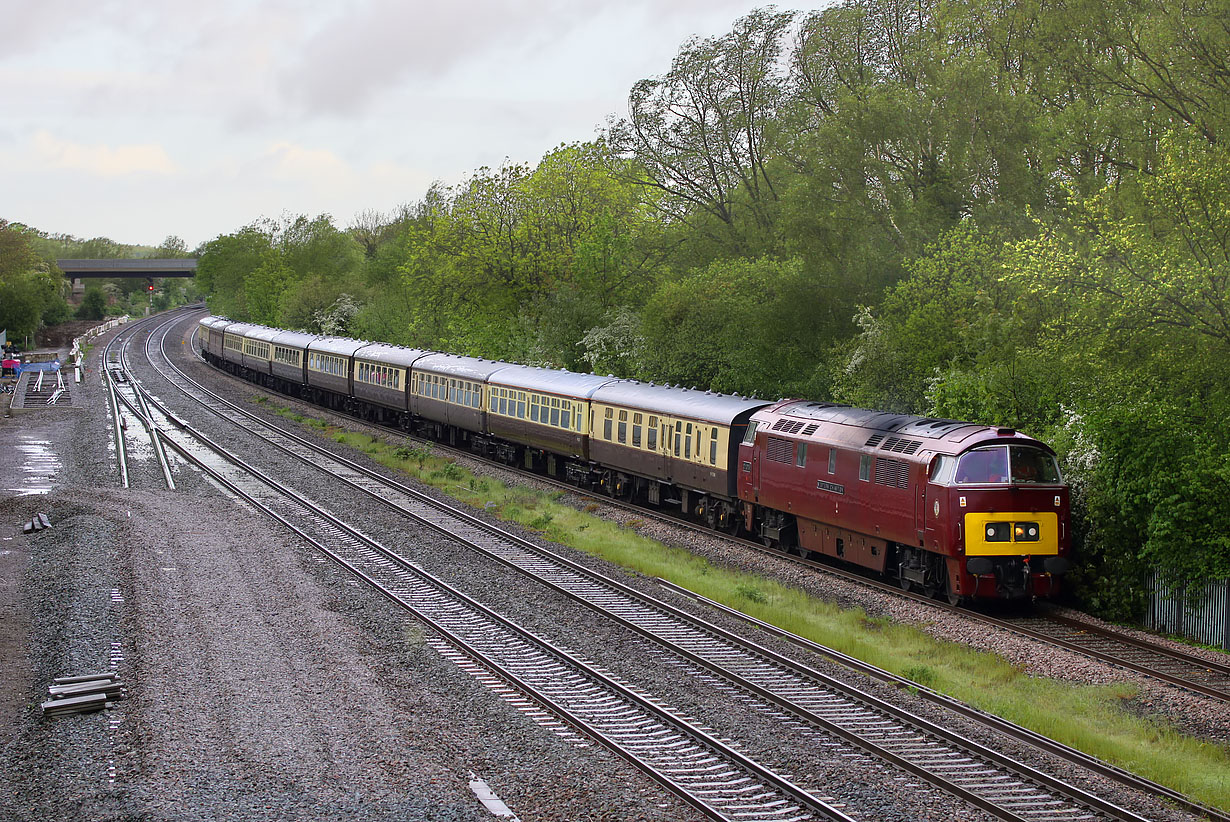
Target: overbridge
(147, 268)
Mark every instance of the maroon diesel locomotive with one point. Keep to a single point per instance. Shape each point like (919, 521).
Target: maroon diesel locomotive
(947, 507)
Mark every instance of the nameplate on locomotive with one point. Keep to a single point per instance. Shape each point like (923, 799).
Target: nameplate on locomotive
(830, 486)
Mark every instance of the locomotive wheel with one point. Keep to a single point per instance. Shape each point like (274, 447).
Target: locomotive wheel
(906, 585)
(954, 599)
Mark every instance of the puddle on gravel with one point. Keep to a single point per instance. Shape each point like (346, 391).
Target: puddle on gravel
(39, 466)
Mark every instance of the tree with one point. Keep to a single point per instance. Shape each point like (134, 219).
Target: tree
(704, 134)
(171, 247)
(265, 286)
(225, 264)
(31, 292)
(1138, 282)
(709, 330)
(93, 304)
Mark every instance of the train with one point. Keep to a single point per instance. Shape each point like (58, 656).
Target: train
(947, 508)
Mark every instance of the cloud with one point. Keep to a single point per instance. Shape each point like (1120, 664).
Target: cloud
(285, 161)
(102, 160)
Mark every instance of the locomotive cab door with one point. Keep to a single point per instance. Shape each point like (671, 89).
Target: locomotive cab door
(920, 509)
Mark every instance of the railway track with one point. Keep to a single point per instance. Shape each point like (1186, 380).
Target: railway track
(1004, 788)
(1194, 673)
(123, 394)
(707, 773)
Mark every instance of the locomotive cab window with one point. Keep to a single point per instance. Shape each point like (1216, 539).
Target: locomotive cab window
(983, 466)
(1000, 464)
(801, 456)
(1032, 465)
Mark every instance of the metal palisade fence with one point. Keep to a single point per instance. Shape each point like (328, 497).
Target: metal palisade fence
(1198, 611)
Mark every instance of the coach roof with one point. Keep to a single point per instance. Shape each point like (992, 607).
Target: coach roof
(549, 380)
(387, 354)
(459, 367)
(678, 402)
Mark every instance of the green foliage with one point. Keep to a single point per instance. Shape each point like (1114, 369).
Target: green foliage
(93, 304)
(31, 290)
(738, 325)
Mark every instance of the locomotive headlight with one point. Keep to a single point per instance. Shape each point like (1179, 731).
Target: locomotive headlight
(1026, 531)
(999, 531)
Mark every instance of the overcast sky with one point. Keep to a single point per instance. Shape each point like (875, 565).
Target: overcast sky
(136, 120)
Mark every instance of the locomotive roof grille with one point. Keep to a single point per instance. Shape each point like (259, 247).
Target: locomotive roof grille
(901, 446)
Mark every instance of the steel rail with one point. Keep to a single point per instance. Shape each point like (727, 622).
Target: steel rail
(1081, 797)
(767, 776)
(1013, 730)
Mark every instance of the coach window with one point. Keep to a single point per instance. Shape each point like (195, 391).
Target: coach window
(623, 426)
(864, 467)
(687, 443)
(521, 404)
(534, 401)
(565, 415)
(652, 431)
(607, 424)
(713, 446)
(636, 430)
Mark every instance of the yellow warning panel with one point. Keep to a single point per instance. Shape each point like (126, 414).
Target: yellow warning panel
(1012, 532)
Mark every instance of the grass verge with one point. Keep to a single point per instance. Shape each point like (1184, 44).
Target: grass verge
(1106, 721)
